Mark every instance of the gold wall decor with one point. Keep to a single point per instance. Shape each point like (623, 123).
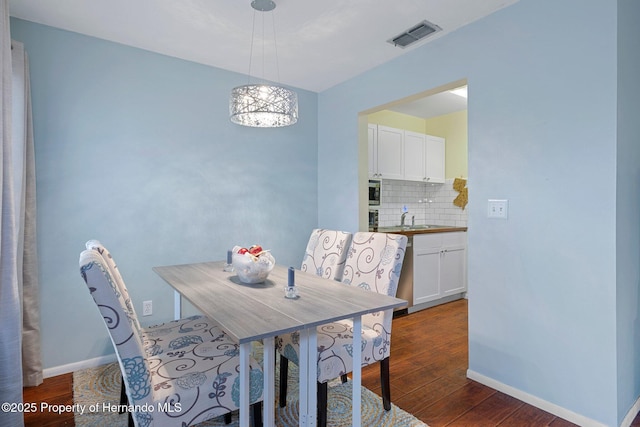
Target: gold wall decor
(460, 185)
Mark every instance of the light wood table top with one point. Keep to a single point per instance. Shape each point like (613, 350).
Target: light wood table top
(252, 312)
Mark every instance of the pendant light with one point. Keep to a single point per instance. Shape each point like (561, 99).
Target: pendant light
(263, 105)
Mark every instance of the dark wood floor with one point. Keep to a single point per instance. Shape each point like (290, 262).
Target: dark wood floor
(428, 379)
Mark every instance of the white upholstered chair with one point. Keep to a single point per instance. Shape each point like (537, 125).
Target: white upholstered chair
(374, 261)
(326, 253)
(189, 366)
(156, 337)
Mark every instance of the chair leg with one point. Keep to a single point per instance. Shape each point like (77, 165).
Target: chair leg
(284, 376)
(322, 404)
(124, 400)
(344, 378)
(384, 383)
(257, 414)
(227, 418)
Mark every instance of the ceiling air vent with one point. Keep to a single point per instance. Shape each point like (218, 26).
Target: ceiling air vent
(415, 33)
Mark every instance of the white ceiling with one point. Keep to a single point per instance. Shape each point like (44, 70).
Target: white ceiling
(432, 106)
(319, 43)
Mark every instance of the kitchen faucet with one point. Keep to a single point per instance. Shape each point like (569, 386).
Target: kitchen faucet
(404, 214)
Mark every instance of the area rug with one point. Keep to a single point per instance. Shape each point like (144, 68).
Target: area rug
(95, 386)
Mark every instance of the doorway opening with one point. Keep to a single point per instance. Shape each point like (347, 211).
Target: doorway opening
(410, 185)
(417, 153)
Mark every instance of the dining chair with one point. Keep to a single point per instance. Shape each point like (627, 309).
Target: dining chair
(373, 263)
(152, 339)
(156, 338)
(326, 253)
(189, 374)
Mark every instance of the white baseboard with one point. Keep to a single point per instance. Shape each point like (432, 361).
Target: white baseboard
(552, 408)
(76, 366)
(631, 415)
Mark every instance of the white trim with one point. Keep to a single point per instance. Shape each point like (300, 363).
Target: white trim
(76, 366)
(552, 408)
(631, 415)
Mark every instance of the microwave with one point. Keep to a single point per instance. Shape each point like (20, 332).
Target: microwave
(374, 192)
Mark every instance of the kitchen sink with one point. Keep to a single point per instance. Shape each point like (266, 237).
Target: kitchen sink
(411, 227)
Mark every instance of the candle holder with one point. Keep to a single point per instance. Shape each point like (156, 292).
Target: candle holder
(228, 267)
(291, 291)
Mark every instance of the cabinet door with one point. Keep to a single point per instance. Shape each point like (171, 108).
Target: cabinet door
(426, 275)
(453, 268)
(414, 156)
(390, 154)
(434, 159)
(373, 150)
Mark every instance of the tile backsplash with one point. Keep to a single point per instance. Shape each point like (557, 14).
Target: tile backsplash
(429, 203)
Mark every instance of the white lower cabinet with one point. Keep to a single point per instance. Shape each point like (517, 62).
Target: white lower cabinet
(439, 266)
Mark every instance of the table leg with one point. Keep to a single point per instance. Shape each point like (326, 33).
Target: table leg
(356, 397)
(308, 365)
(245, 352)
(303, 366)
(312, 378)
(177, 305)
(268, 392)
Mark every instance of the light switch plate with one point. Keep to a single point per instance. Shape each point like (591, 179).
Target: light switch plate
(498, 209)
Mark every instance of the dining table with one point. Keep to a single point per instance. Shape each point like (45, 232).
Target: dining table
(260, 312)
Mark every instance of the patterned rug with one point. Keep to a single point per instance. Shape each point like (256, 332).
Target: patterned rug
(96, 386)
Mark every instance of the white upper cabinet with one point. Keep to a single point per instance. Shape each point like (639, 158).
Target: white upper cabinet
(402, 154)
(414, 156)
(434, 159)
(390, 153)
(373, 150)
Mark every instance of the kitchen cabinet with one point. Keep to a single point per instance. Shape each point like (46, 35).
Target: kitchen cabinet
(405, 155)
(372, 138)
(414, 155)
(389, 152)
(439, 266)
(434, 156)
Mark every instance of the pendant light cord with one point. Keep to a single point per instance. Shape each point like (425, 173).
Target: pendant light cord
(275, 44)
(253, 33)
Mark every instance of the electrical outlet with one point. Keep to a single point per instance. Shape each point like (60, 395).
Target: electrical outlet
(147, 308)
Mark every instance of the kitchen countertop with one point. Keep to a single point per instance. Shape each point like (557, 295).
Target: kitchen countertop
(421, 229)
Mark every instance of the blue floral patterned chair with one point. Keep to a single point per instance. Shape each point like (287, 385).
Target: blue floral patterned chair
(326, 253)
(374, 261)
(156, 337)
(179, 373)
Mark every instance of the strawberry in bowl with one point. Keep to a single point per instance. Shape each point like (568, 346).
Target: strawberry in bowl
(253, 264)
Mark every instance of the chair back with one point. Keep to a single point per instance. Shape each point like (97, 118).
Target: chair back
(115, 275)
(122, 325)
(374, 261)
(326, 253)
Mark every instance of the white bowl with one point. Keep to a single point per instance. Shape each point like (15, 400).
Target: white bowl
(252, 269)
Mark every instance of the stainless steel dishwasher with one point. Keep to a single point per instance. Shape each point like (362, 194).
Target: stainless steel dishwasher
(405, 284)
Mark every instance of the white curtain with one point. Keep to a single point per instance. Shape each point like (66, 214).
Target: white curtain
(20, 352)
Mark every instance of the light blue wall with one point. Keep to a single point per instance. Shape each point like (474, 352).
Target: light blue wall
(628, 206)
(542, 134)
(136, 149)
